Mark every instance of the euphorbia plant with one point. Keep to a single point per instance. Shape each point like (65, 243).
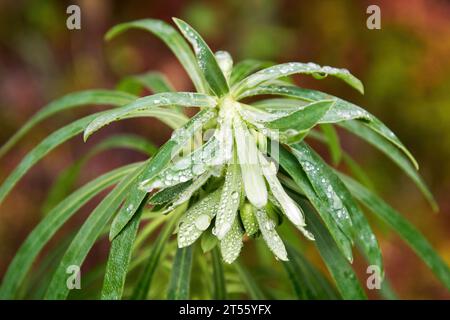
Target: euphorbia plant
(238, 171)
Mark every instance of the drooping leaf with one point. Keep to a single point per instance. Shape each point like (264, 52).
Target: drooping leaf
(231, 244)
(173, 40)
(70, 101)
(150, 106)
(270, 235)
(42, 233)
(290, 163)
(119, 259)
(331, 189)
(401, 226)
(88, 234)
(180, 277)
(341, 111)
(393, 153)
(287, 69)
(253, 181)
(341, 271)
(206, 59)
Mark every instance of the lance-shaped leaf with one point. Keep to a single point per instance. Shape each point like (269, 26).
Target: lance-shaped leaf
(88, 234)
(70, 101)
(393, 153)
(332, 140)
(287, 69)
(401, 226)
(287, 205)
(289, 163)
(43, 232)
(197, 219)
(270, 235)
(231, 244)
(245, 68)
(206, 59)
(181, 275)
(363, 235)
(155, 165)
(229, 201)
(254, 185)
(173, 40)
(119, 259)
(341, 271)
(304, 118)
(341, 111)
(187, 99)
(329, 193)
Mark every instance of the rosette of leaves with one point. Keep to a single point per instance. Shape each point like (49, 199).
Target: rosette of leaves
(238, 171)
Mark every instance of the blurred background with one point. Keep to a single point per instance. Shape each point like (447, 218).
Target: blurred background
(405, 67)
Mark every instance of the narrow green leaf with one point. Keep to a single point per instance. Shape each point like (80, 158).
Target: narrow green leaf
(303, 119)
(306, 280)
(252, 287)
(206, 59)
(393, 153)
(66, 179)
(67, 102)
(287, 69)
(341, 111)
(400, 225)
(52, 141)
(331, 189)
(88, 234)
(173, 40)
(155, 165)
(219, 284)
(145, 279)
(247, 67)
(150, 105)
(290, 163)
(42, 233)
(180, 277)
(333, 143)
(119, 259)
(341, 271)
